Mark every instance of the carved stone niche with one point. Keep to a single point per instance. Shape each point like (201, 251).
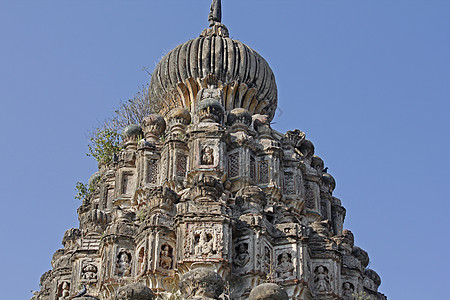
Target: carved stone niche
(348, 290)
(205, 242)
(286, 262)
(208, 156)
(263, 171)
(141, 258)
(89, 271)
(322, 279)
(126, 185)
(290, 229)
(180, 164)
(290, 184)
(165, 260)
(325, 276)
(166, 257)
(123, 263)
(243, 255)
(201, 283)
(151, 170)
(63, 290)
(325, 209)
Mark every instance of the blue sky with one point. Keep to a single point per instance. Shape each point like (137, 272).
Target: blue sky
(368, 81)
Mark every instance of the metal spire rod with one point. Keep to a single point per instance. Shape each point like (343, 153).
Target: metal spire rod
(215, 14)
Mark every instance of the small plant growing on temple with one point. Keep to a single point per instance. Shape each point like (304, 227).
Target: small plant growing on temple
(83, 190)
(104, 143)
(361, 296)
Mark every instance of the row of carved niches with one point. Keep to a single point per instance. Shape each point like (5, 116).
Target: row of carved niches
(256, 255)
(156, 253)
(205, 242)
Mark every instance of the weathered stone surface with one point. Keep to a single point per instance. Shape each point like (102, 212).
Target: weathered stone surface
(268, 291)
(201, 283)
(247, 75)
(134, 292)
(207, 200)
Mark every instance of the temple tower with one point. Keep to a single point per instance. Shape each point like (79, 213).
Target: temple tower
(206, 200)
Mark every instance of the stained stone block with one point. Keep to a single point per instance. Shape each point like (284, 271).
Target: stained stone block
(268, 291)
(202, 284)
(134, 292)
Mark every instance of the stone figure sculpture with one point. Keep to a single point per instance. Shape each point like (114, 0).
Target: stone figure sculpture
(285, 268)
(242, 256)
(123, 266)
(166, 257)
(89, 272)
(348, 291)
(64, 290)
(207, 157)
(322, 280)
(204, 244)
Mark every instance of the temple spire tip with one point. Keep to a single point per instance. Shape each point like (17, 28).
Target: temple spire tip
(215, 14)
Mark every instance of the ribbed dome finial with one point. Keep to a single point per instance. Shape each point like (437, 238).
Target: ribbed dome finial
(215, 21)
(215, 14)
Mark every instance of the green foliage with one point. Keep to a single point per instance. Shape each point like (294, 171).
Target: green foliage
(104, 143)
(141, 215)
(83, 190)
(361, 296)
(104, 140)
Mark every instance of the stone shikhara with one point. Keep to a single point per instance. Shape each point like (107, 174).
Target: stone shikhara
(222, 207)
